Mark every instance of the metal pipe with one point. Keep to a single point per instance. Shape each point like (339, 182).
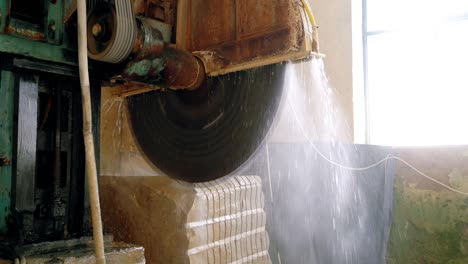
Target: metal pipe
(91, 170)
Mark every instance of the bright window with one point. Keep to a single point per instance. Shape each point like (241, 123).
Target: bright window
(416, 60)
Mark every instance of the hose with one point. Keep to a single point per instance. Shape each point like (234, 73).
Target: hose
(310, 15)
(91, 170)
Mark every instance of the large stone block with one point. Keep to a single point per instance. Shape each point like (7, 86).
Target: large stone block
(216, 222)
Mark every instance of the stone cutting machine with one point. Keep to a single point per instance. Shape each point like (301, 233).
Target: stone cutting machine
(202, 79)
(209, 72)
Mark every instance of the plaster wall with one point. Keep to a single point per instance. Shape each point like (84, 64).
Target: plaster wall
(430, 223)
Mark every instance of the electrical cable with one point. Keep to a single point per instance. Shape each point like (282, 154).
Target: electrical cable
(389, 157)
(309, 13)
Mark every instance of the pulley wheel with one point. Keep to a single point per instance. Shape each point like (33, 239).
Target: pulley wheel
(101, 26)
(208, 133)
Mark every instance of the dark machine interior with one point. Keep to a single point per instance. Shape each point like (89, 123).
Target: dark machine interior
(47, 199)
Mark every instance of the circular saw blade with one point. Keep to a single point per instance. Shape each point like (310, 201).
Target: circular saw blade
(208, 133)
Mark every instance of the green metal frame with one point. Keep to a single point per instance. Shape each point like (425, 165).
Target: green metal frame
(4, 8)
(55, 49)
(6, 145)
(38, 50)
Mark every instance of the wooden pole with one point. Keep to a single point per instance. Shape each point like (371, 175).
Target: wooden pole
(91, 170)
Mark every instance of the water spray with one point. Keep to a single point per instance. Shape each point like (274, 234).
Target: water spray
(384, 160)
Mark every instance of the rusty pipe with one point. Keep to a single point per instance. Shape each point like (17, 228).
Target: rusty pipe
(167, 67)
(162, 64)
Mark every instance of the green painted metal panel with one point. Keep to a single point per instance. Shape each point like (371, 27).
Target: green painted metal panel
(54, 49)
(55, 17)
(36, 49)
(6, 145)
(4, 7)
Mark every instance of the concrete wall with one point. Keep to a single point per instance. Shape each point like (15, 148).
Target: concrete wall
(430, 223)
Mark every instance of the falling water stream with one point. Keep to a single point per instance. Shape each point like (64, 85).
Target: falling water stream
(335, 205)
(319, 212)
(313, 105)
